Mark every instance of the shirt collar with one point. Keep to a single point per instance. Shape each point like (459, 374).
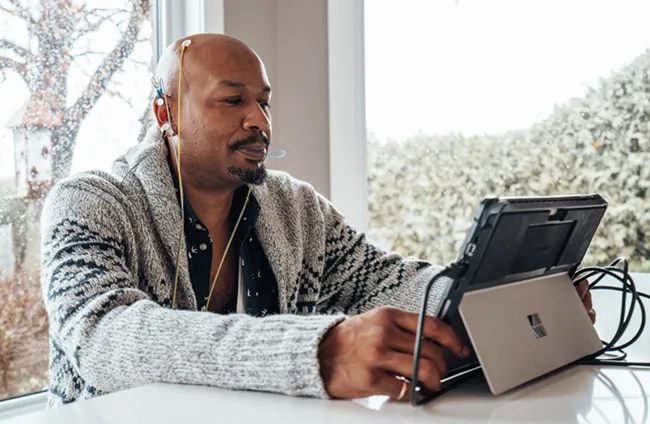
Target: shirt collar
(239, 199)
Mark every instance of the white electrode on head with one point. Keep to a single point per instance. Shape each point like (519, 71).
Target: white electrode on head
(187, 43)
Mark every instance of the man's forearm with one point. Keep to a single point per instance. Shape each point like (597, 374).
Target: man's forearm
(145, 343)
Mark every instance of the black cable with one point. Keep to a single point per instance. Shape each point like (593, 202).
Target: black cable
(628, 288)
(453, 271)
(643, 315)
(613, 270)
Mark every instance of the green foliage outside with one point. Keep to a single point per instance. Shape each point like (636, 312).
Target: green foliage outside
(424, 191)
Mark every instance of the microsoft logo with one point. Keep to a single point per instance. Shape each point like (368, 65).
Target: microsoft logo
(537, 326)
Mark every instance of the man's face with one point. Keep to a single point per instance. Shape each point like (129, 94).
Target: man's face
(225, 125)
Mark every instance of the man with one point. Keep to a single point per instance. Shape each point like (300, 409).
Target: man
(267, 289)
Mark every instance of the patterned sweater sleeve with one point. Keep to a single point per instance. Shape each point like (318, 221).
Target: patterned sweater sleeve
(359, 276)
(115, 336)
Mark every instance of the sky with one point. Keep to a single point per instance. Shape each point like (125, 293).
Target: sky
(488, 66)
(432, 66)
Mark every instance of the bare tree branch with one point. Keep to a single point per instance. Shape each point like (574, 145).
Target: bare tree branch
(20, 51)
(19, 11)
(120, 96)
(98, 20)
(9, 11)
(109, 10)
(96, 13)
(80, 32)
(6, 63)
(140, 62)
(109, 66)
(109, 91)
(86, 53)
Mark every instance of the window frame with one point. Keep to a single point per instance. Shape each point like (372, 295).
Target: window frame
(31, 402)
(347, 94)
(176, 19)
(347, 121)
(347, 109)
(20, 405)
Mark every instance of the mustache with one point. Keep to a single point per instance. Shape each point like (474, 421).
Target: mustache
(254, 139)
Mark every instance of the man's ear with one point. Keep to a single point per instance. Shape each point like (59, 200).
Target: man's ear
(162, 117)
(160, 111)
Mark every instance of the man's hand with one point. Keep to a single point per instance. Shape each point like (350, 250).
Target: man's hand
(362, 355)
(585, 296)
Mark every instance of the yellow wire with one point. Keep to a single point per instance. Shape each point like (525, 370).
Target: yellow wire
(180, 176)
(225, 253)
(180, 186)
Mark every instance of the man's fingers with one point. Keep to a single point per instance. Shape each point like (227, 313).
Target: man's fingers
(402, 364)
(592, 315)
(405, 342)
(395, 388)
(585, 295)
(582, 288)
(587, 301)
(434, 329)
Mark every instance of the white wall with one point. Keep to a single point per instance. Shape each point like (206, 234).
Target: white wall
(313, 51)
(291, 38)
(347, 110)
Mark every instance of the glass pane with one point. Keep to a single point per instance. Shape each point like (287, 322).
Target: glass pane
(75, 89)
(475, 98)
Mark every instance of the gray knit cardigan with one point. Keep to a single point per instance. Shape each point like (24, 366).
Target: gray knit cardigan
(109, 251)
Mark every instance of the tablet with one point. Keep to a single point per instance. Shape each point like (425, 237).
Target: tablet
(516, 238)
(519, 257)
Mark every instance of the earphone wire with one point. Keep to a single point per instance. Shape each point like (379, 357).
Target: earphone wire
(628, 288)
(225, 253)
(177, 154)
(180, 177)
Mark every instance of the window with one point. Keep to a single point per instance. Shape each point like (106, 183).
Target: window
(76, 91)
(472, 98)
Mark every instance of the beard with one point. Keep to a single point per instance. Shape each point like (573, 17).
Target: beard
(249, 176)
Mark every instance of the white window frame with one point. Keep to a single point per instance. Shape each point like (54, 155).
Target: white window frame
(346, 78)
(36, 401)
(13, 407)
(174, 19)
(177, 19)
(347, 101)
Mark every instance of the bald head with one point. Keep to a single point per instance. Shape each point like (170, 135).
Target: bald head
(206, 53)
(221, 115)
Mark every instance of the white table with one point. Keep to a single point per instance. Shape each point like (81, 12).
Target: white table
(577, 395)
